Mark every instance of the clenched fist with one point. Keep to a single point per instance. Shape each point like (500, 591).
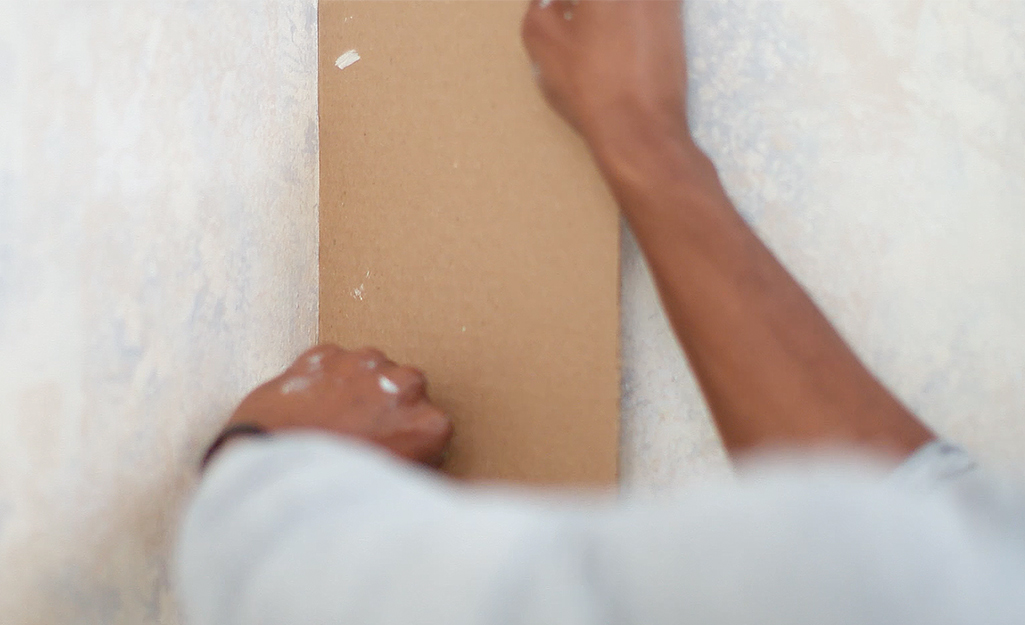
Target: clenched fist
(360, 394)
(611, 69)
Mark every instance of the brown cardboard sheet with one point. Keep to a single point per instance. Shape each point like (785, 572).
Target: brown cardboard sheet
(464, 229)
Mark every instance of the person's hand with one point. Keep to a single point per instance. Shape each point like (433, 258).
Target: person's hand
(613, 69)
(360, 394)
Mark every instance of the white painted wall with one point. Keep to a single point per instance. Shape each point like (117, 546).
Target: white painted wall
(879, 148)
(158, 256)
(158, 189)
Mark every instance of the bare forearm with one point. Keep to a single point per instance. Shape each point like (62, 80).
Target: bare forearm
(772, 368)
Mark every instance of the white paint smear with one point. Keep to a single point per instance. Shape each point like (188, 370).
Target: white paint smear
(294, 385)
(347, 59)
(313, 362)
(387, 385)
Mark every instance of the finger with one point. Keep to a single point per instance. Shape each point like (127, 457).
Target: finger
(370, 358)
(436, 430)
(424, 436)
(407, 384)
(557, 4)
(534, 18)
(563, 8)
(313, 358)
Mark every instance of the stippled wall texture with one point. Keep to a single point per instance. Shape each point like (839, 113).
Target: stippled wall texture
(158, 188)
(158, 255)
(879, 148)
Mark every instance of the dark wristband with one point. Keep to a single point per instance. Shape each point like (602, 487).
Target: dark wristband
(230, 432)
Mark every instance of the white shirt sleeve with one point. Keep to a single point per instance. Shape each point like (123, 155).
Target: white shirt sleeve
(310, 529)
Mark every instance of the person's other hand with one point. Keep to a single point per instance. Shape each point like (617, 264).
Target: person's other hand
(360, 394)
(611, 69)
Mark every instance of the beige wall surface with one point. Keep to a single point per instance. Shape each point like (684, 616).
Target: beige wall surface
(879, 148)
(158, 255)
(158, 189)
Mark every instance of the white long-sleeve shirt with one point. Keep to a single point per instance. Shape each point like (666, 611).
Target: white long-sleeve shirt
(305, 529)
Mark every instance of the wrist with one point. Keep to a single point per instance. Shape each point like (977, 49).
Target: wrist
(653, 161)
(667, 188)
(645, 150)
(229, 435)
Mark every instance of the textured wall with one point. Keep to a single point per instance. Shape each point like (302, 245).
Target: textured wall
(879, 148)
(158, 188)
(158, 255)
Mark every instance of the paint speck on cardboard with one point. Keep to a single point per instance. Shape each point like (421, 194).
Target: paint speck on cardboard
(347, 59)
(361, 290)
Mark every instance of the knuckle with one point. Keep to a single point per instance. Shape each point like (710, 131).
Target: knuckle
(433, 422)
(412, 381)
(369, 352)
(369, 356)
(530, 28)
(441, 427)
(416, 375)
(527, 26)
(435, 433)
(317, 354)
